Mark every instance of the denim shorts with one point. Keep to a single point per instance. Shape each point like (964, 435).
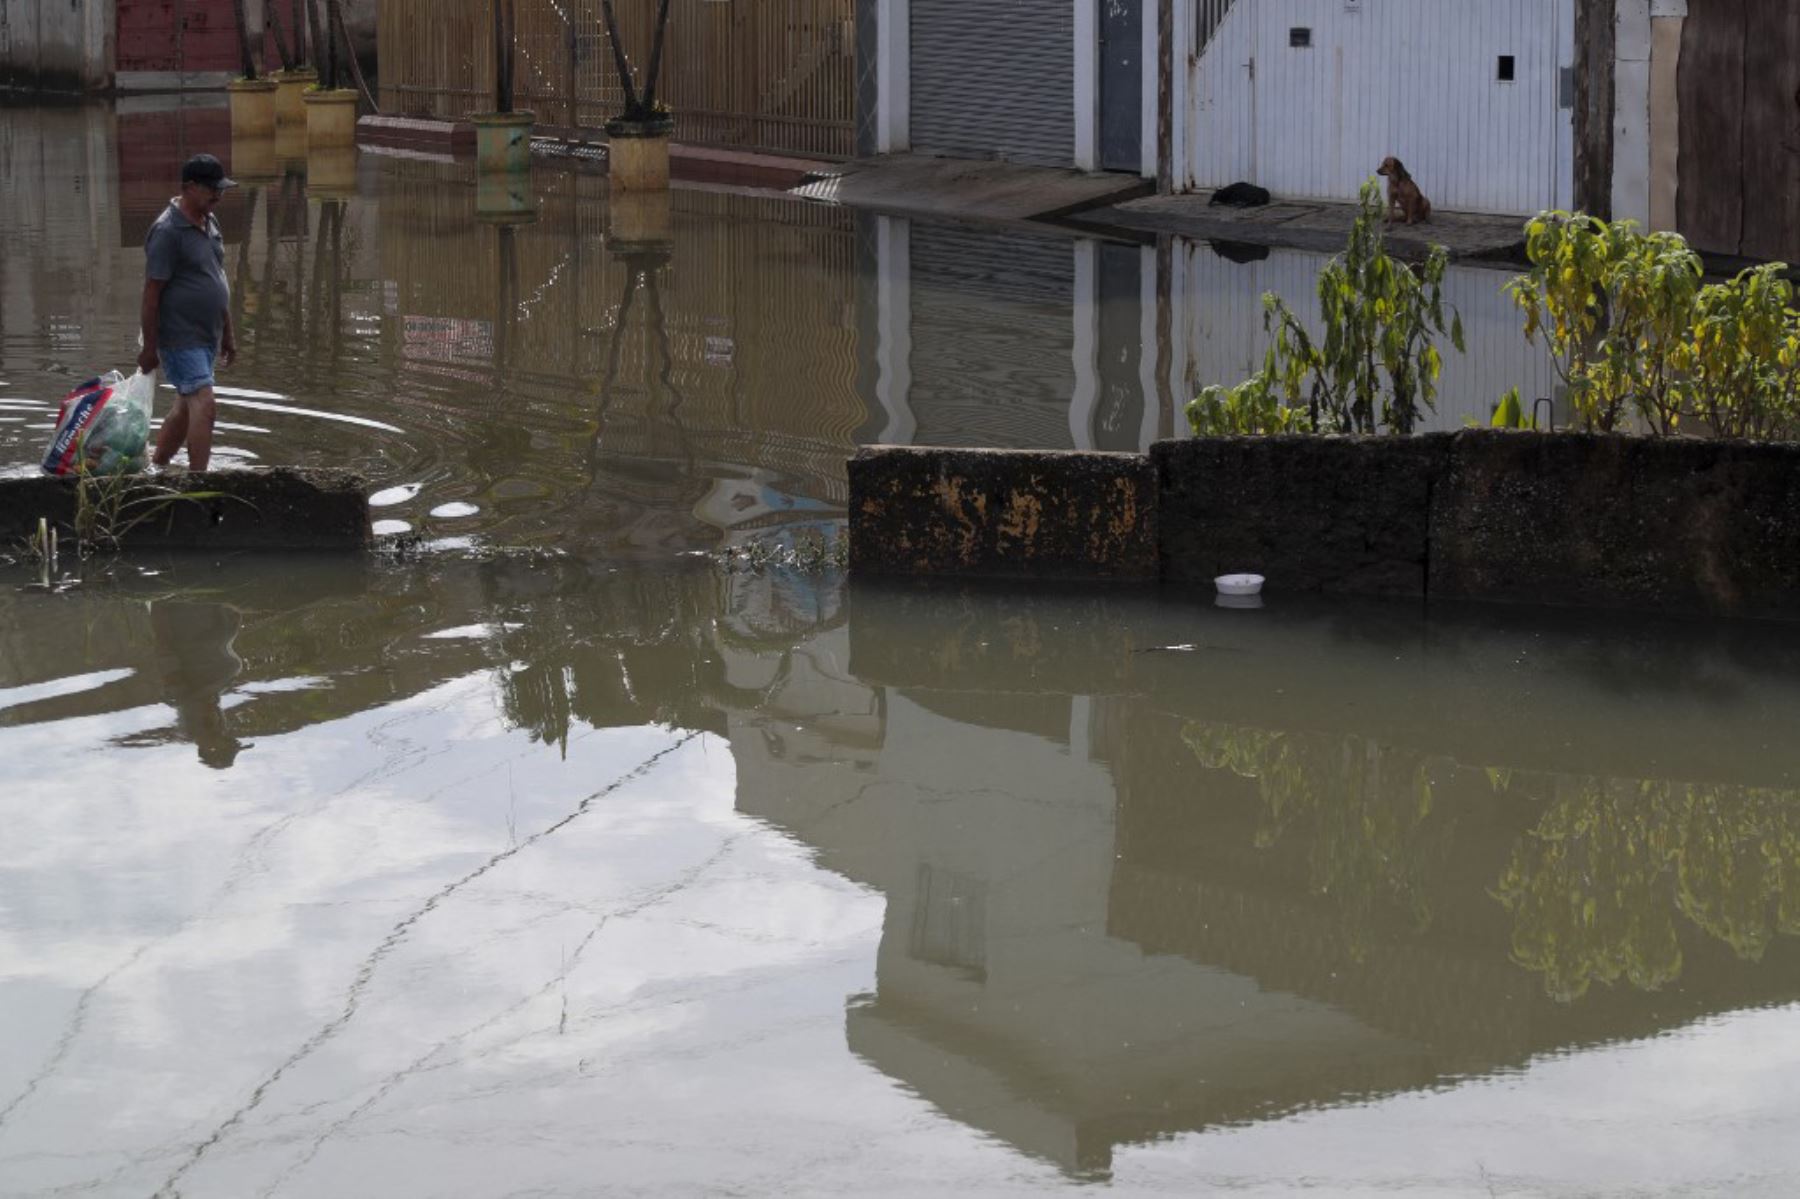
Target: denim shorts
(189, 370)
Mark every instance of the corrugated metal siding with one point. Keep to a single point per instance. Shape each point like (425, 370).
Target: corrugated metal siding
(1411, 78)
(992, 338)
(1225, 340)
(994, 80)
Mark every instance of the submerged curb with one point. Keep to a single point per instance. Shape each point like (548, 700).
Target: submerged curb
(276, 510)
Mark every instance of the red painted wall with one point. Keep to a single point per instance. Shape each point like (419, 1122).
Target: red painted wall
(177, 35)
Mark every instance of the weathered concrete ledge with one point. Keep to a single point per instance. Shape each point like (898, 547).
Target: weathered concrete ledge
(1001, 513)
(1672, 525)
(279, 509)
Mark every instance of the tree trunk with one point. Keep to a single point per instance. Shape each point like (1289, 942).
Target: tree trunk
(342, 33)
(332, 20)
(272, 19)
(302, 46)
(624, 67)
(243, 31)
(656, 57)
(321, 46)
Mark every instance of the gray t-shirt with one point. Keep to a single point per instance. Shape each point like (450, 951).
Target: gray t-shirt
(191, 264)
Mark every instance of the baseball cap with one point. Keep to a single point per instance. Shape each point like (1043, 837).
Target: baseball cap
(204, 168)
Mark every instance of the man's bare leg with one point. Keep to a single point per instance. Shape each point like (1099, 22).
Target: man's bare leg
(173, 432)
(200, 412)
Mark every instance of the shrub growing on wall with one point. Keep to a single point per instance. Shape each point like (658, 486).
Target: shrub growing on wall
(1375, 368)
(1636, 336)
(1615, 308)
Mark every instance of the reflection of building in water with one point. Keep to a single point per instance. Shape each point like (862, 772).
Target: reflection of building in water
(1112, 917)
(1002, 996)
(1011, 339)
(1128, 893)
(733, 356)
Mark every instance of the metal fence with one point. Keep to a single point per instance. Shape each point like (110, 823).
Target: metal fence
(761, 74)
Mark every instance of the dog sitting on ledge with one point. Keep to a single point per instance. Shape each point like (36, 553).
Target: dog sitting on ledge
(1405, 201)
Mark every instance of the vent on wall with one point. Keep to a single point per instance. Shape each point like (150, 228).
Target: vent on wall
(1299, 37)
(1208, 16)
(1508, 69)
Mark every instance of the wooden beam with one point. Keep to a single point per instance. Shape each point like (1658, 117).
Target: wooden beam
(1595, 48)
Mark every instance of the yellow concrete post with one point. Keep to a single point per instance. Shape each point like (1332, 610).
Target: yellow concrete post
(252, 104)
(290, 87)
(330, 119)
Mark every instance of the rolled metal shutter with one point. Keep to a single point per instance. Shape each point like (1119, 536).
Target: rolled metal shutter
(994, 79)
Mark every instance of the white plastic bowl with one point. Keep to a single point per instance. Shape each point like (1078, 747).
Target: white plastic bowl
(1239, 584)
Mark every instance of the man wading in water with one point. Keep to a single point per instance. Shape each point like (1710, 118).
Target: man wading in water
(187, 308)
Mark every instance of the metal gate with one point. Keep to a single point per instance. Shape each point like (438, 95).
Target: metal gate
(1306, 97)
(993, 80)
(1122, 85)
(773, 74)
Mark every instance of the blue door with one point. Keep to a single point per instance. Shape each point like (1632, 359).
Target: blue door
(1122, 85)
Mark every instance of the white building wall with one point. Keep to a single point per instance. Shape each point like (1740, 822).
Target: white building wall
(55, 45)
(1412, 78)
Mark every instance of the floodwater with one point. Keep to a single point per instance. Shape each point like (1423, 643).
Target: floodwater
(547, 858)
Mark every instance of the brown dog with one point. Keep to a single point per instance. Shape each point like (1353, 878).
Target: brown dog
(1405, 200)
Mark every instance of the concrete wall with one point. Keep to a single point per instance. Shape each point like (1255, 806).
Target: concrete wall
(1658, 524)
(56, 45)
(1003, 512)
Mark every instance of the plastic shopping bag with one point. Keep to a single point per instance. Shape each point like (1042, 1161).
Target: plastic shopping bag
(103, 426)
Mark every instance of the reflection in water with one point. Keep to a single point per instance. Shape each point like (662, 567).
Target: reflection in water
(197, 666)
(1108, 910)
(1599, 885)
(1595, 885)
(762, 881)
(1363, 810)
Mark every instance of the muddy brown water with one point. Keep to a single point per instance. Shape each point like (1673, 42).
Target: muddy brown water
(548, 858)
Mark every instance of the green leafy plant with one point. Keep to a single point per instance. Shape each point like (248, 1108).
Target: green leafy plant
(1615, 308)
(1744, 356)
(1510, 413)
(109, 506)
(1377, 364)
(1253, 406)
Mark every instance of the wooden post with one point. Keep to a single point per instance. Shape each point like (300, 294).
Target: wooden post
(1165, 95)
(242, 20)
(272, 18)
(503, 57)
(320, 47)
(573, 48)
(1595, 56)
